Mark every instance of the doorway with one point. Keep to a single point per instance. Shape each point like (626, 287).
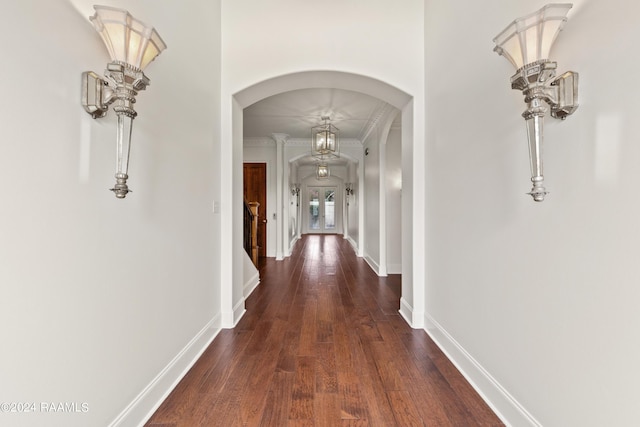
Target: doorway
(322, 210)
(412, 303)
(255, 190)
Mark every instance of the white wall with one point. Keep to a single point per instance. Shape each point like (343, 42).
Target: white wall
(394, 201)
(543, 296)
(372, 228)
(294, 215)
(353, 220)
(99, 294)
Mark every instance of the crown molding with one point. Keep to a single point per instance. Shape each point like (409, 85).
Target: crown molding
(261, 141)
(303, 142)
(378, 116)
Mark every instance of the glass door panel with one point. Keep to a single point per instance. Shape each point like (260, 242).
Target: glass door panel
(322, 210)
(330, 209)
(314, 209)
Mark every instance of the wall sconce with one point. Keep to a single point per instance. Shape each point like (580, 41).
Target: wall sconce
(526, 43)
(349, 188)
(132, 45)
(322, 171)
(295, 189)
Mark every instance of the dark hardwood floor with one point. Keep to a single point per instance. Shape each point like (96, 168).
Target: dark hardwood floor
(322, 344)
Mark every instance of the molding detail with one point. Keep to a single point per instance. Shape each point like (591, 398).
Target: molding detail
(354, 244)
(269, 141)
(413, 317)
(306, 142)
(258, 141)
(382, 111)
(230, 320)
(251, 284)
(506, 407)
(152, 396)
(374, 265)
(406, 311)
(292, 244)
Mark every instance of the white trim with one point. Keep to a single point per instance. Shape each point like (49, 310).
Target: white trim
(354, 245)
(231, 319)
(406, 311)
(506, 407)
(151, 397)
(292, 243)
(374, 265)
(251, 284)
(304, 142)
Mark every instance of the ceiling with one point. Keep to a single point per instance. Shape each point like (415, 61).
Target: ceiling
(294, 113)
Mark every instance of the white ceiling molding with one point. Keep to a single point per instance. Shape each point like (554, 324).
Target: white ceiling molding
(379, 116)
(301, 142)
(258, 141)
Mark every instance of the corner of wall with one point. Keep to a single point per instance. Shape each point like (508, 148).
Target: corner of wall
(506, 407)
(149, 399)
(406, 311)
(231, 319)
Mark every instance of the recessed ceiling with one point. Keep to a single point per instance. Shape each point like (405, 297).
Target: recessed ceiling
(295, 112)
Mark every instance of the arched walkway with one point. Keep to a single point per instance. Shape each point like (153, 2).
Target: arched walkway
(412, 301)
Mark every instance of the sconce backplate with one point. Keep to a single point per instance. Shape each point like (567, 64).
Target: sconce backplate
(93, 88)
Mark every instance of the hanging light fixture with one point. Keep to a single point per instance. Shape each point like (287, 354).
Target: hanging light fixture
(526, 43)
(132, 45)
(322, 171)
(325, 140)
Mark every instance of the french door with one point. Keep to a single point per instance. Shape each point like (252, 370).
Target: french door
(322, 210)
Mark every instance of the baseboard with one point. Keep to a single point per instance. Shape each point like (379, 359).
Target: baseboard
(231, 319)
(506, 407)
(406, 311)
(293, 243)
(251, 284)
(374, 265)
(355, 245)
(149, 399)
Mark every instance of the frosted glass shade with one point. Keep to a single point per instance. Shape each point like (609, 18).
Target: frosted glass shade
(529, 38)
(127, 39)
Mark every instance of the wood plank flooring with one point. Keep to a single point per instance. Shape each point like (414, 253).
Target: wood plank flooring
(322, 344)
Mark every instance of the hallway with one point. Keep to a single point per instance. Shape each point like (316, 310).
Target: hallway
(322, 344)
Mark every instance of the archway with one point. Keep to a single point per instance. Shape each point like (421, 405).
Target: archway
(412, 301)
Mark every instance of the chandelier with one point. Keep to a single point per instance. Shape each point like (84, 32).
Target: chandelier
(325, 140)
(322, 171)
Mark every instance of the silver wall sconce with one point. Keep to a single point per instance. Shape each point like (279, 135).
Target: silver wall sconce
(132, 45)
(526, 43)
(322, 171)
(348, 189)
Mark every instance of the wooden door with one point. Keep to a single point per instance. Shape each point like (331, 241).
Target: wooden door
(255, 190)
